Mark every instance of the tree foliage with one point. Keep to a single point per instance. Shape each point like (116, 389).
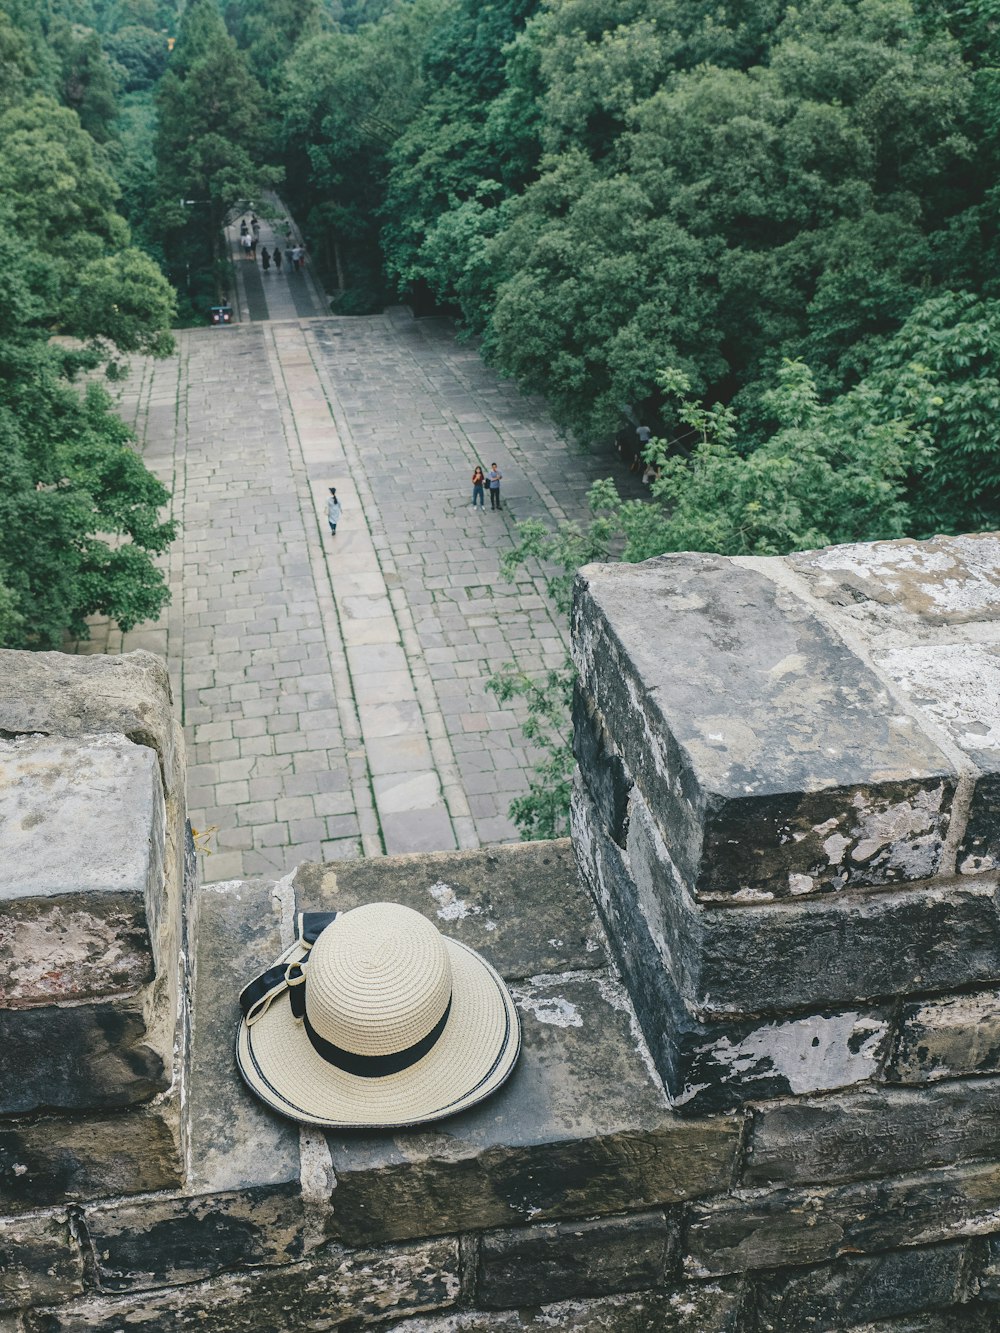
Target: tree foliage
(80, 516)
(209, 113)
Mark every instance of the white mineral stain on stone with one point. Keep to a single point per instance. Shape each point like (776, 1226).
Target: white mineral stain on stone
(812, 1054)
(974, 865)
(556, 944)
(748, 894)
(792, 663)
(551, 1009)
(957, 684)
(798, 884)
(835, 847)
(906, 837)
(224, 886)
(450, 906)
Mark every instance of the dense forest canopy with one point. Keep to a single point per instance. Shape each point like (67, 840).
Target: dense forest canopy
(605, 189)
(767, 230)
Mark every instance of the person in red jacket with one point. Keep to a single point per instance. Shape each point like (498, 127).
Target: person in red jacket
(478, 482)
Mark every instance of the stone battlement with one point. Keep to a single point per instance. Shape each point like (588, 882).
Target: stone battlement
(760, 1087)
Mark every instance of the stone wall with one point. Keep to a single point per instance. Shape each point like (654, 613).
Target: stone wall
(760, 1087)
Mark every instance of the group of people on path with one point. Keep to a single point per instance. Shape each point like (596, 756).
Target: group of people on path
(249, 238)
(483, 481)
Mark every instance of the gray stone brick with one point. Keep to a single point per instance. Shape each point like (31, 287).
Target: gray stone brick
(40, 1261)
(873, 1132)
(782, 1228)
(537, 1265)
(333, 1285)
(161, 1242)
(843, 1294)
(944, 1037)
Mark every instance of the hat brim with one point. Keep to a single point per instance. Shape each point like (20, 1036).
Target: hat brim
(474, 1055)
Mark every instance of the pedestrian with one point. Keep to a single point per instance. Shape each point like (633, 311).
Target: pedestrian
(253, 247)
(277, 257)
(297, 256)
(478, 481)
(246, 242)
(333, 511)
(243, 227)
(255, 228)
(265, 259)
(643, 436)
(494, 477)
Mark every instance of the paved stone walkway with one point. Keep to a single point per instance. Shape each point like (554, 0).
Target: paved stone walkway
(333, 688)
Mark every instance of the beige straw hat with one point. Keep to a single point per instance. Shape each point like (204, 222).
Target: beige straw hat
(372, 1019)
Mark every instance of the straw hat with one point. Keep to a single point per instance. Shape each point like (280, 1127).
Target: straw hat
(372, 1018)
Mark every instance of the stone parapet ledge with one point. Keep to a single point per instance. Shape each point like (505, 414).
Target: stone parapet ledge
(92, 872)
(575, 1199)
(577, 1153)
(786, 810)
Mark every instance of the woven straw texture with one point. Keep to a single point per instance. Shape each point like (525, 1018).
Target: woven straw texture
(378, 980)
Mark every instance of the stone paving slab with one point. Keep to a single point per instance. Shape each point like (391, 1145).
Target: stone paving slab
(334, 688)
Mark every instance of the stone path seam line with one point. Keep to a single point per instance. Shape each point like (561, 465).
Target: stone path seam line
(407, 798)
(361, 786)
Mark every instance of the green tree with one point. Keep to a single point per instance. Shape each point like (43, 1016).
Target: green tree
(348, 98)
(79, 512)
(80, 520)
(140, 52)
(943, 368)
(89, 85)
(208, 106)
(269, 31)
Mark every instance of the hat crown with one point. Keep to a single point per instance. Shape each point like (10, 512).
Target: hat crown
(378, 980)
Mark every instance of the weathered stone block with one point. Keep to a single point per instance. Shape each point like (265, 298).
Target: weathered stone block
(59, 797)
(874, 1132)
(68, 948)
(958, 686)
(40, 1261)
(715, 1066)
(748, 960)
(942, 1038)
(841, 1295)
(235, 1141)
(775, 758)
(781, 1228)
(159, 1242)
(64, 1058)
(482, 898)
(53, 694)
(54, 1159)
(332, 1288)
(580, 1129)
(898, 592)
(538, 1265)
(74, 1027)
(706, 1307)
(987, 1283)
(959, 1319)
(916, 606)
